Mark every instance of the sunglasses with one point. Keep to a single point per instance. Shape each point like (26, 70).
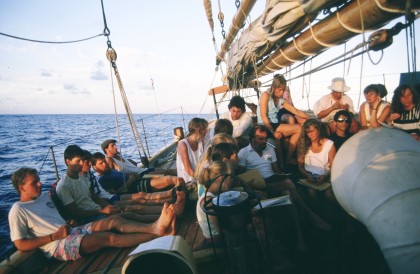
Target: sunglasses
(341, 120)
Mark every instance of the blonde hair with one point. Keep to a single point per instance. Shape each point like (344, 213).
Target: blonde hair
(278, 81)
(217, 139)
(216, 168)
(196, 125)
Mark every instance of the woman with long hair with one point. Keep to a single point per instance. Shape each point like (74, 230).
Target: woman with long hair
(315, 156)
(274, 102)
(190, 149)
(405, 110)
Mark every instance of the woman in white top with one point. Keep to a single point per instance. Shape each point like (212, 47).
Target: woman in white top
(374, 111)
(273, 101)
(191, 149)
(315, 155)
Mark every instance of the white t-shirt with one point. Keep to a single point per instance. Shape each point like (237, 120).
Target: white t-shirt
(35, 218)
(76, 190)
(327, 101)
(241, 127)
(317, 163)
(251, 160)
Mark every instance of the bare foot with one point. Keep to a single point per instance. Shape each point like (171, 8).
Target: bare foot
(180, 203)
(180, 182)
(171, 228)
(164, 221)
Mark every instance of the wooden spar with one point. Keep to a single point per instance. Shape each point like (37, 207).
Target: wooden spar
(237, 23)
(333, 30)
(218, 90)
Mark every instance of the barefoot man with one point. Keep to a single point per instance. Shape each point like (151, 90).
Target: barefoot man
(35, 223)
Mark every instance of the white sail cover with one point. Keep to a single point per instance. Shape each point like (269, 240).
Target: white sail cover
(280, 20)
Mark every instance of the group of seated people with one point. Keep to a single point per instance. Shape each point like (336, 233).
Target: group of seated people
(119, 206)
(84, 212)
(235, 145)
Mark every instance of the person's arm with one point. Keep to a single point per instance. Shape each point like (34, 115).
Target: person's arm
(111, 163)
(98, 200)
(375, 121)
(362, 117)
(295, 111)
(302, 170)
(264, 110)
(394, 116)
(33, 243)
(324, 113)
(244, 123)
(73, 211)
(275, 167)
(331, 156)
(183, 152)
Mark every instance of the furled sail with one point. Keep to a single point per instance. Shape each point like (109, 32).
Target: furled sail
(276, 40)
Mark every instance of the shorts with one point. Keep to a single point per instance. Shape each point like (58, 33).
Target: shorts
(283, 114)
(68, 249)
(142, 185)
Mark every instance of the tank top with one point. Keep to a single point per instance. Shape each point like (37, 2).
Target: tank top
(193, 156)
(378, 111)
(317, 163)
(272, 110)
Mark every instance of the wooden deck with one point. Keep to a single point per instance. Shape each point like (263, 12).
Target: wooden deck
(337, 251)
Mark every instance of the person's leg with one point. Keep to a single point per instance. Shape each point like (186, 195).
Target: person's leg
(294, 132)
(125, 223)
(143, 209)
(165, 182)
(98, 240)
(279, 184)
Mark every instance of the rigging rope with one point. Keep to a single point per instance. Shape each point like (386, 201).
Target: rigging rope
(112, 57)
(51, 42)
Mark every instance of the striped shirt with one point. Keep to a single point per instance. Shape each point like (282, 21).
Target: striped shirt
(409, 121)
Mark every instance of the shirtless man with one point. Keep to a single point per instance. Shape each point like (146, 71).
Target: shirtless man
(35, 223)
(328, 105)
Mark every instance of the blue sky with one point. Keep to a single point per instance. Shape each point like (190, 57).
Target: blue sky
(169, 41)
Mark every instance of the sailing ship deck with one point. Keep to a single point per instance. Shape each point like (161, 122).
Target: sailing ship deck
(338, 251)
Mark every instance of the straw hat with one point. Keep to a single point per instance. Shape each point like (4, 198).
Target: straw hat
(339, 84)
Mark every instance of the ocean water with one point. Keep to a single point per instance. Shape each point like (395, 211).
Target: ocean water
(26, 141)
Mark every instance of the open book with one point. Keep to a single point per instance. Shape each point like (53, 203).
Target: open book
(319, 187)
(277, 201)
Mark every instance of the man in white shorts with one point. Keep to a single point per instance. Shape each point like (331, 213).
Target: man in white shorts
(36, 223)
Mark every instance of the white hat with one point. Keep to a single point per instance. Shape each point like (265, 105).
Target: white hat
(339, 84)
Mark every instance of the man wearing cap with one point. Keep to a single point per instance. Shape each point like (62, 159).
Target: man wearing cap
(328, 105)
(116, 161)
